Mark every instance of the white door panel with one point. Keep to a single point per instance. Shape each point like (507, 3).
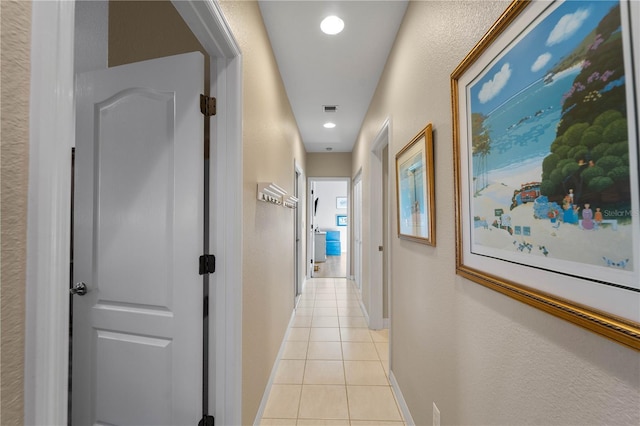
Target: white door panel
(137, 237)
(135, 214)
(122, 381)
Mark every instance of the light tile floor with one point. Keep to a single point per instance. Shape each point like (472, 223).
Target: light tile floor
(335, 266)
(333, 370)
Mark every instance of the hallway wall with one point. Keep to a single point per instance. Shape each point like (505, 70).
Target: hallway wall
(329, 164)
(16, 74)
(482, 357)
(137, 31)
(271, 142)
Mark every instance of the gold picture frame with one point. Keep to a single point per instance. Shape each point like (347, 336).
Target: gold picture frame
(415, 197)
(521, 237)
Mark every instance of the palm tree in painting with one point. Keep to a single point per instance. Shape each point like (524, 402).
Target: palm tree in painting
(481, 148)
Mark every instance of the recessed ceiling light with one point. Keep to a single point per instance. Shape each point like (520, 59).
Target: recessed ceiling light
(332, 25)
(329, 125)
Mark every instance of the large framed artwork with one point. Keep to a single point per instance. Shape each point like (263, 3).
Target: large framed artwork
(415, 189)
(546, 162)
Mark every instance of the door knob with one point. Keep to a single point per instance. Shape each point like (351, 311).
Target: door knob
(79, 289)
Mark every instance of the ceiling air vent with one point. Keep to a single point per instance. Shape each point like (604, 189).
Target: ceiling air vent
(330, 108)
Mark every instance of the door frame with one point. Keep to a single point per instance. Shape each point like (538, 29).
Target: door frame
(298, 231)
(52, 132)
(383, 138)
(357, 224)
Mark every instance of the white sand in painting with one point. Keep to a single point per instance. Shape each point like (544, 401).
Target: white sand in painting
(567, 242)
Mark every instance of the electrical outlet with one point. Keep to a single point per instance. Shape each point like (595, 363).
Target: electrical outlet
(436, 415)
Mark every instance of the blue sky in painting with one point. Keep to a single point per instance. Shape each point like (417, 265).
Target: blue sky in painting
(535, 54)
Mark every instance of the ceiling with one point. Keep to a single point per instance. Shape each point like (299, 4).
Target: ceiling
(337, 70)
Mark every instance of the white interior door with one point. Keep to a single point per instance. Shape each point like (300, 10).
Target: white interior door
(137, 332)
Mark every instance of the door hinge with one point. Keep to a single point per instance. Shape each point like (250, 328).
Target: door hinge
(207, 264)
(207, 105)
(207, 421)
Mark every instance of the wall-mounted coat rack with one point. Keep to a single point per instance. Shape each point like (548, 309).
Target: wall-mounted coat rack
(269, 192)
(291, 202)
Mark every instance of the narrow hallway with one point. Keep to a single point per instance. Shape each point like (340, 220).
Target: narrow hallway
(333, 370)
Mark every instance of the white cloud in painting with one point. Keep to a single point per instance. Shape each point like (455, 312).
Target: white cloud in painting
(567, 26)
(541, 62)
(491, 88)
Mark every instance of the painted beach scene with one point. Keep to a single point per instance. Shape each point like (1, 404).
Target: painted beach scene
(551, 172)
(413, 215)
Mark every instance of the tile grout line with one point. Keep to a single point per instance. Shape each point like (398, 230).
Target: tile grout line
(344, 371)
(306, 358)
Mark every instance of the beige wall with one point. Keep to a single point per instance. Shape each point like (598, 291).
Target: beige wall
(271, 142)
(142, 30)
(16, 71)
(482, 357)
(329, 164)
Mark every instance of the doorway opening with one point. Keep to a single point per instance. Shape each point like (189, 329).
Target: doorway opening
(329, 233)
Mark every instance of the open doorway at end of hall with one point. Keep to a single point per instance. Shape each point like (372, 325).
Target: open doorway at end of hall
(329, 233)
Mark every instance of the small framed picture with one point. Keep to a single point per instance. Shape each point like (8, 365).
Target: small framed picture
(341, 202)
(341, 220)
(415, 189)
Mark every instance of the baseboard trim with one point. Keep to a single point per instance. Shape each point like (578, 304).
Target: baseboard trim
(364, 312)
(267, 389)
(303, 289)
(401, 402)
